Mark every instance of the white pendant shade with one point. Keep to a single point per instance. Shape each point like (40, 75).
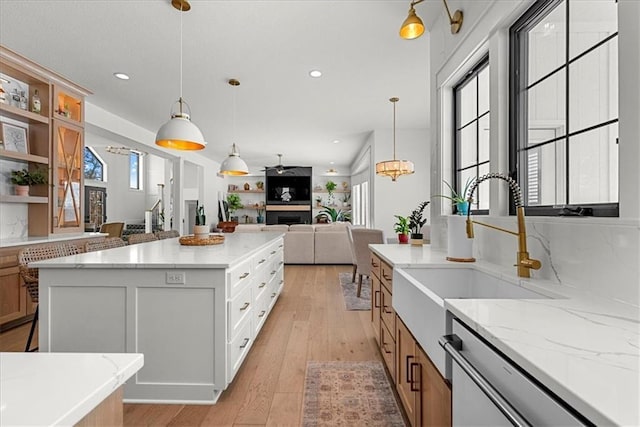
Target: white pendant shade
(394, 168)
(234, 165)
(181, 134)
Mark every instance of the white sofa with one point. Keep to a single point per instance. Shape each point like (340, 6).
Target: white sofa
(310, 244)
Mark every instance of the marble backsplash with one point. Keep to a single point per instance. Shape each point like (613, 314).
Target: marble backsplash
(13, 220)
(601, 256)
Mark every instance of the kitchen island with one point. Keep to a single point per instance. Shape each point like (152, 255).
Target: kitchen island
(581, 348)
(193, 311)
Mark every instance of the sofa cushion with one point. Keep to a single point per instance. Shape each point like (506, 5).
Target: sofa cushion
(299, 246)
(332, 245)
(301, 227)
(276, 227)
(248, 228)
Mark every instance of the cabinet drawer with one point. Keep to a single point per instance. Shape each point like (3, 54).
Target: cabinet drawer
(386, 275)
(260, 312)
(375, 307)
(239, 309)
(238, 349)
(260, 285)
(387, 313)
(388, 350)
(375, 265)
(259, 261)
(239, 277)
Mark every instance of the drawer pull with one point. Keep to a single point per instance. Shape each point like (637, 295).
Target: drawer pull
(413, 380)
(281, 281)
(384, 309)
(407, 369)
(373, 264)
(281, 262)
(273, 272)
(376, 299)
(262, 313)
(245, 306)
(273, 295)
(385, 276)
(280, 246)
(261, 261)
(244, 344)
(262, 285)
(242, 276)
(384, 348)
(273, 252)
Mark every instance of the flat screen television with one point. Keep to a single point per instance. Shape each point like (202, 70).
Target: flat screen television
(294, 190)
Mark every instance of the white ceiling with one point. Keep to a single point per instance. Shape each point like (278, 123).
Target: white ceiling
(270, 46)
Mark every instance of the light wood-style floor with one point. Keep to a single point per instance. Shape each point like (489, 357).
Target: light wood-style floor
(309, 322)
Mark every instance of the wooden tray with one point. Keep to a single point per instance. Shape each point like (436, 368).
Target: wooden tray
(213, 239)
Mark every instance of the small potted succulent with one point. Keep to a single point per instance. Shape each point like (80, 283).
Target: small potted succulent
(416, 222)
(458, 199)
(402, 228)
(201, 229)
(23, 179)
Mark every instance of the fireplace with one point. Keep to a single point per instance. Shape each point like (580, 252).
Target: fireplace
(288, 195)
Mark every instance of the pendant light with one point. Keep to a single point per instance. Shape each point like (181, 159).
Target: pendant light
(180, 132)
(394, 168)
(234, 165)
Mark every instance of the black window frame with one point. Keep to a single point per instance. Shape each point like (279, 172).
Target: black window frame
(457, 183)
(518, 67)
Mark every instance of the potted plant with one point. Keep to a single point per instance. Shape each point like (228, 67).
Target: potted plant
(458, 199)
(259, 207)
(319, 201)
(416, 222)
(23, 179)
(330, 186)
(330, 214)
(345, 199)
(234, 204)
(260, 185)
(201, 229)
(402, 228)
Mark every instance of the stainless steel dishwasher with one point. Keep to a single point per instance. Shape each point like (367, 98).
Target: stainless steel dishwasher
(489, 390)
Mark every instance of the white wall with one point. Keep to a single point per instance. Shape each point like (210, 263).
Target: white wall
(402, 196)
(601, 255)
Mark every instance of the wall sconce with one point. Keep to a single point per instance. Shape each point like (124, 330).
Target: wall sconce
(412, 27)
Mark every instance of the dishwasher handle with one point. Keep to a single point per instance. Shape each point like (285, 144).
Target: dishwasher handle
(452, 344)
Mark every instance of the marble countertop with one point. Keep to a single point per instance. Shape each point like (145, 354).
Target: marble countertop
(169, 253)
(584, 349)
(46, 389)
(52, 238)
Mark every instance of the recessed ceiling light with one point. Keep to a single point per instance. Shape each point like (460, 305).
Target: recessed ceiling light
(315, 73)
(332, 163)
(121, 76)
(336, 141)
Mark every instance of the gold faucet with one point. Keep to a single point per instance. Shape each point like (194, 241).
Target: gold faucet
(524, 263)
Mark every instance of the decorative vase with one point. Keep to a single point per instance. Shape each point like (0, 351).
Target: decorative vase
(22, 190)
(260, 219)
(247, 187)
(201, 231)
(416, 239)
(462, 208)
(459, 246)
(403, 239)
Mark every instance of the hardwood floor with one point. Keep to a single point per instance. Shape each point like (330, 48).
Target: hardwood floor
(309, 322)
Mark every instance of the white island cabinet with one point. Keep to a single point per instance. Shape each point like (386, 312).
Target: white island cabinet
(193, 311)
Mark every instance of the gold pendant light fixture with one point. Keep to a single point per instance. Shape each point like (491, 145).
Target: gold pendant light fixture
(394, 168)
(234, 165)
(180, 132)
(412, 27)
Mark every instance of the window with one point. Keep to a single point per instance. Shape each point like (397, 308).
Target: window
(135, 170)
(94, 167)
(360, 204)
(471, 147)
(564, 106)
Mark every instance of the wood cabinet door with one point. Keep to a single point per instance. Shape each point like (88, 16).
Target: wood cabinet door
(13, 296)
(376, 303)
(434, 393)
(405, 361)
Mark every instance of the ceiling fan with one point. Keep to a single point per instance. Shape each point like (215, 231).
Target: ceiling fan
(279, 168)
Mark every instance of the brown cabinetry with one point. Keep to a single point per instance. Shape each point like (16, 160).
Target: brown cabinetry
(382, 314)
(57, 127)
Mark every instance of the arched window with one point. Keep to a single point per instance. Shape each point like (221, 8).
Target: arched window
(94, 167)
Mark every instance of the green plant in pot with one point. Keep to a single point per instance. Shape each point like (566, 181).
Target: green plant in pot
(329, 214)
(416, 222)
(458, 198)
(200, 229)
(234, 203)
(330, 186)
(402, 228)
(23, 179)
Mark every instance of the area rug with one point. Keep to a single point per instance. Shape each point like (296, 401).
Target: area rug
(349, 394)
(349, 290)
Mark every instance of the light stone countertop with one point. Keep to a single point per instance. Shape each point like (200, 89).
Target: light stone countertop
(169, 253)
(52, 238)
(584, 349)
(59, 389)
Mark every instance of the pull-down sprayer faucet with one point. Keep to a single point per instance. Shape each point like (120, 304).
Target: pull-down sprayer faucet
(524, 263)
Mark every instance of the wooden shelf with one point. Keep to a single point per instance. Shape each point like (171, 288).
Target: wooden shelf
(22, 115)
(14, 155)
(246, 191)
(8, 198)
(334, 207)
(334, 191)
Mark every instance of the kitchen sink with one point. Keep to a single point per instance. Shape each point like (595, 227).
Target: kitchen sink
(419, 294)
